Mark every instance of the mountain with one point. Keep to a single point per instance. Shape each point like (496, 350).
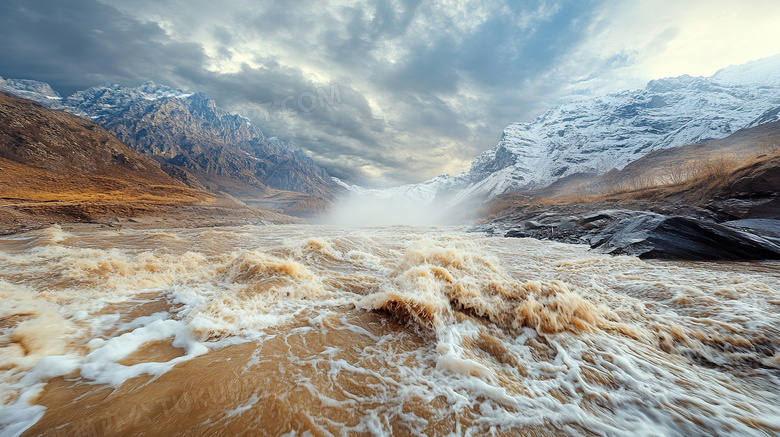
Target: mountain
(194, 140)
(412, 193)
(692, 174)
(31, 89)
(204, 146)
(717, 199)
(599, 134)
(674, 164)
(56, 167)
(50, 156)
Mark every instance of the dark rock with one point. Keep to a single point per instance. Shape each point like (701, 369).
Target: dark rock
(531, 224)
(565, 225)
(596, 217)
(763, 207)
(590, 226)
(767, 228)
(487, 228)
(654, 236)
(518, 233)
(765, 181)
(755, 195)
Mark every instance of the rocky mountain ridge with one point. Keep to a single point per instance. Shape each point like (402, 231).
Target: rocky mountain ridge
(599, 134)
(205, 147)
(57, 168)
(62, 144)
(194, 140)
(725, 206)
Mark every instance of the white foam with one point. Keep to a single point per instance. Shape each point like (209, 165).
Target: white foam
(101, 366)
(21, 413)
(712, 323)
(241, 409)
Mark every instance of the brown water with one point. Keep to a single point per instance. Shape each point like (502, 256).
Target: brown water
(315, 330)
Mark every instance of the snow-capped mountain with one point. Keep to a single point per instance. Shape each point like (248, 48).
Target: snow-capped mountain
(599, 134)
(202, 143)
(40, 92)
(410, 193)
(196, 141)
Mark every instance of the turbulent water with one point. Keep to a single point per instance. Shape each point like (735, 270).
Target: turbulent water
(306, 330)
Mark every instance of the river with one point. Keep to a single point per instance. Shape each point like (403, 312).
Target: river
(321, 330)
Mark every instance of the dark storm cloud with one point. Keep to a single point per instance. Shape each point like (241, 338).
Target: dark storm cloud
(422, 85)
(79, 43)
(363, 33)
(498, 57)
(503, 53)
(427, 70)
(343, 130)
(260, 92)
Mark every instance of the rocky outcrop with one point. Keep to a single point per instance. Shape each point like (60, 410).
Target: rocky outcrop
(654, 236)
(673, 231)
(224, 152)
(59, 168)
(755, 193)
(764, 182)
(573, 229)
(579, 223)
(766, 228)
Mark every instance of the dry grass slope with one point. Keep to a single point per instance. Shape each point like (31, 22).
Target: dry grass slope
(690, 174)
(58, 168)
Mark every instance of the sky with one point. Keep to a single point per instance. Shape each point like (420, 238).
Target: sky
(383, 92)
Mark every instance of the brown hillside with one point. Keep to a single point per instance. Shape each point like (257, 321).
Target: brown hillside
(50, 155)
(678, 164)
(57, 168)
(744, 165)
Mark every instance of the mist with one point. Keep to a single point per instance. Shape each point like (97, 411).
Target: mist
(367, 210)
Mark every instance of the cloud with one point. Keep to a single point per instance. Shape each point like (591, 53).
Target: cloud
(628, 44)
(80, 43)
(424, 85)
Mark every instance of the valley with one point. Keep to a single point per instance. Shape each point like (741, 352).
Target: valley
(701, 148)
(389, 218)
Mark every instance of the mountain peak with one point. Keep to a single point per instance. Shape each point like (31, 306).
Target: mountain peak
(29, 89)
(765, 71)
(197, 142)
(67, 148)
(598, 134)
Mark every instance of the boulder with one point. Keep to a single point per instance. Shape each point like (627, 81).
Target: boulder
(763, 227)
(765, 181)
(519, 233)
(761, 207)
(766, 228)
(655, 236)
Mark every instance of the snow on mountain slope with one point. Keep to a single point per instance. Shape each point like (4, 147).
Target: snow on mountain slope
(40, 92)
(587, 136)
(413, 193)
(762, 72)
(599, 134)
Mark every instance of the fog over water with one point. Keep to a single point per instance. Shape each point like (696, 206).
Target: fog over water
(368, 210)
(395, 330)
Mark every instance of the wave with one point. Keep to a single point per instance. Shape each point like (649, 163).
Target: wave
(382, 331)
(433, 282)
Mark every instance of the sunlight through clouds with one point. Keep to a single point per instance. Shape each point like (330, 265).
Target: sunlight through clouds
(427, 85)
